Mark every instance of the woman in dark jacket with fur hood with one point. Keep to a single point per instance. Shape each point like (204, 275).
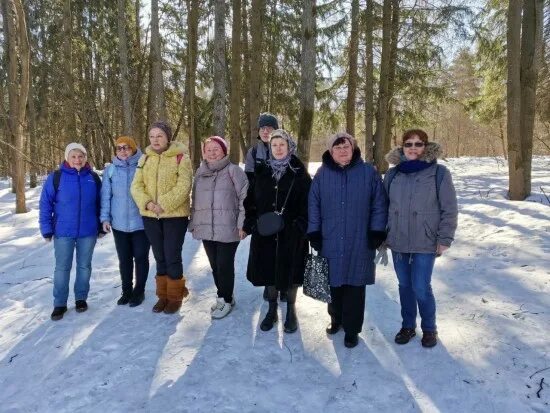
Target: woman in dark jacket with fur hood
(278, 261)
(421, 225)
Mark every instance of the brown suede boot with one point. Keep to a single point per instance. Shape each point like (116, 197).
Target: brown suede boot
(162, 284)
(176, 292)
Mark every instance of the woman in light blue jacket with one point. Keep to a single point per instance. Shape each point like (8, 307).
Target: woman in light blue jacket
(120, 213)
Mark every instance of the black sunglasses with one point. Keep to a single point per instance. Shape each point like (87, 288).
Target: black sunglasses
(415, 144)
(122, 148)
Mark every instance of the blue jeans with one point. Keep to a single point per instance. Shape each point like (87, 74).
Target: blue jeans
(64, 249)
(414, 273)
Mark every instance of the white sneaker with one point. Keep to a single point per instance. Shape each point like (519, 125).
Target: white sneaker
(218, 304)
(222, 311)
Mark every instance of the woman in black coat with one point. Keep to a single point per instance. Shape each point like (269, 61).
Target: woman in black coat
(278, 261)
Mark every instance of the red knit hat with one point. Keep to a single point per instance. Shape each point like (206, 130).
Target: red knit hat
(219, 140)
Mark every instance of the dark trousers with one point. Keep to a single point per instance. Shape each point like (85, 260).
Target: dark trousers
(222, 261)
(166, 236)
(132, 247)
(348, 307)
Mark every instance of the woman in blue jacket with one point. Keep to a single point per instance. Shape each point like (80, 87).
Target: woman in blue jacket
(347, 220)
(120, 213)
(69, 213)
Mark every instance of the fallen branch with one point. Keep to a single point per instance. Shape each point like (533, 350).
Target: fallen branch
(544, 193)
(289, 350)
(538, 371)
(12, 357)
(540, 387)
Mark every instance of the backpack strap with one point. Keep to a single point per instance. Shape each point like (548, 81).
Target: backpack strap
(389, 178)
(56, 179)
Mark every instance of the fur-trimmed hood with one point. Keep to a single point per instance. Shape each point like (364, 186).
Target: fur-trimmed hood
(432, 152)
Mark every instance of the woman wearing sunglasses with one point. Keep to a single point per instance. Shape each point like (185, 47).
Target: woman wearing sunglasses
(120, 213)
(422, 221)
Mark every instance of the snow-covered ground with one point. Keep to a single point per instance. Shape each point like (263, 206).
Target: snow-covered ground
(492, 291)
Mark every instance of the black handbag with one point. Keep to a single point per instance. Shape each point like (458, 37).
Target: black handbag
(272, 223)
(316, 282)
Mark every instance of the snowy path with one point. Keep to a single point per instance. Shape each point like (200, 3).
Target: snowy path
(492, 292)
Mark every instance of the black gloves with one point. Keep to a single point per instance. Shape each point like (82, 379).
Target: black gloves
(376, 238)
(316, 240)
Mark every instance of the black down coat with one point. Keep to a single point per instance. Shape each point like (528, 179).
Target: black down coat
(278, 259)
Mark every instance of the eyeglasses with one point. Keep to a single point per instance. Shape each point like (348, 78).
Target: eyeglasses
(415, 144)
(122, 148)
(266, 129)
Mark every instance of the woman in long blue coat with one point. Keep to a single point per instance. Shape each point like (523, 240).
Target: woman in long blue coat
(120, 213)
(348, 213)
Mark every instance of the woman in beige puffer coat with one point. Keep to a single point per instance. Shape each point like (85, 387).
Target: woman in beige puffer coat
(217, 216)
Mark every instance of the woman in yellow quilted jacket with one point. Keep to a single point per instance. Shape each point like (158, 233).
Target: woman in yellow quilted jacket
(161, 189)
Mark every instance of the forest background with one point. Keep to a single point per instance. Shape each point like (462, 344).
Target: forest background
(474, 74)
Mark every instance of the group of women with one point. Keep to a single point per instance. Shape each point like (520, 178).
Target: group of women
(346, 212)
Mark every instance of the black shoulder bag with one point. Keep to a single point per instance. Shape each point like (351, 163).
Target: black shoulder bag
(272, 223)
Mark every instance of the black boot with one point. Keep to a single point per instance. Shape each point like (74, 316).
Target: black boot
(270, 318)
(58, 312)
(291, 322)
(124, 298)
(136, 299)
(333, 327)
(351, 340)
(283, 296)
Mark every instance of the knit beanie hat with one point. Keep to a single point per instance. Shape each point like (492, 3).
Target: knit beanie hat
(164, 126)
(127, 140)
(267, 119)
(339, 137)
(75, 146)
(219, 140)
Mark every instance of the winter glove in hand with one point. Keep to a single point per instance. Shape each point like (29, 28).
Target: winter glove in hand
(376, 238)
(316, 240)
(382, 256)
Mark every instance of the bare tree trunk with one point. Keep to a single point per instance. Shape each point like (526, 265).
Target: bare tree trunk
(516, 189)
(192, 42)
(157, 104)
(307, 87)
(234, 110)
(220, 66)
(124, 77)
(69, 106)
(369, 81)
(391, 76)
(352, 68)
(18, 91)
(255, 81)
(502, 139)
(383, 98)
(137, 107)
(245, 86)
(531, 42)
(274, 47)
